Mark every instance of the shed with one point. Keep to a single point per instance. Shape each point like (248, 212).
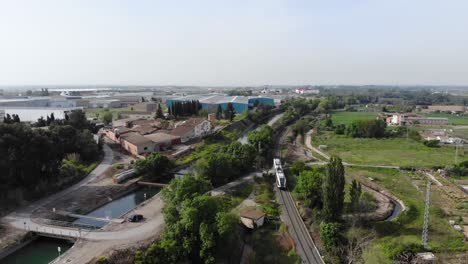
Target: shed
(252, 218)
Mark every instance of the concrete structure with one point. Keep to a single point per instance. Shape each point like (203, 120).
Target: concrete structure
(136, 144)
(403, 119)
(31, 114)
(252, 218)
(192, 128)
(162, 141)
(210, 102)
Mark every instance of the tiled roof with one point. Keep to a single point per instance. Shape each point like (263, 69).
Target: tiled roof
(135, 138)
(161, 137)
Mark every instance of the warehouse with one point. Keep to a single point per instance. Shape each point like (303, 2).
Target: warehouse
(31, 114)
(210, 102)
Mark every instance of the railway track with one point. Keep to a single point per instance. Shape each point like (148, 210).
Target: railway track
(304, 244)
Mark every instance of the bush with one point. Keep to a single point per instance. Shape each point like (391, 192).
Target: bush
(330, 233)
(431, 143)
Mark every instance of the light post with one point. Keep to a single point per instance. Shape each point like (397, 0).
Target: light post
(59, 251)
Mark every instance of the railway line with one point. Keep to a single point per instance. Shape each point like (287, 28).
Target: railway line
(304, 244)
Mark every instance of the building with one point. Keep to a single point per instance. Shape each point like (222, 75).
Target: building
(192, 128)
(32, 114)
(163, 141)
(306, 91)
(454, 109)
(210, 102)
(440, 135)
(137, 115)
(252, 218)
(136, 144)
(403, 119)
(105, 103)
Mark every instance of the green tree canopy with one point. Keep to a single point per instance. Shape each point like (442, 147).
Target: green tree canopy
(333, 190)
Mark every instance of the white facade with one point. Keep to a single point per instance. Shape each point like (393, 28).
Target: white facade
(31, 114)
(202, 129)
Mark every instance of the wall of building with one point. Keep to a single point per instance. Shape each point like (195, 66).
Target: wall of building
(32, 114)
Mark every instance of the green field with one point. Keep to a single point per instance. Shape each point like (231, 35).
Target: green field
(340, 117)
(391, 151)
(452, 119)
(405, 230)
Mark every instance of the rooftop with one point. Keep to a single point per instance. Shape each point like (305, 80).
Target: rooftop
(252, 214)
(135, 138)
(161, 137)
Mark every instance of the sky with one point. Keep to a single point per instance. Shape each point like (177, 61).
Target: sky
(233, 43)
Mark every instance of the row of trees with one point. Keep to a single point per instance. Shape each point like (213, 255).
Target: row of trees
(10, 119)
(229, 113)
(197, 225)
(184, 108)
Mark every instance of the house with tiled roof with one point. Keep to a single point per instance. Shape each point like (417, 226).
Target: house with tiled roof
(192, 128)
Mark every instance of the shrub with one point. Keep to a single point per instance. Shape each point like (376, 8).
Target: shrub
(431, 143)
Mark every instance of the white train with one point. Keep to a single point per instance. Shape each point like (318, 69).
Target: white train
(280, 178)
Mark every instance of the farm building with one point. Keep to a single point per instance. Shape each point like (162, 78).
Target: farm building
(210, 102)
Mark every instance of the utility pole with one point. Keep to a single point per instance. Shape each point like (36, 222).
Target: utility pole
(425, 230)
(456, 153)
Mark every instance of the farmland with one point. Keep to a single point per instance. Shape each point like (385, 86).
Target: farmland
(387, 151)
(341, 117)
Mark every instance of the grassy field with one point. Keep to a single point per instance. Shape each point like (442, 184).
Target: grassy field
(405, 230)
(452, 119)
(391, 151)
(341, 117)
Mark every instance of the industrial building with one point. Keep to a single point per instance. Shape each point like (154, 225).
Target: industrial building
(32, 114)
(210, 102)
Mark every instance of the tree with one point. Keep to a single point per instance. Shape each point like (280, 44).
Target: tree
(41, 122)
(309, 185)
(261, 140)
(107, 117)
(77, 119)
(330, 233)
(159, 112)
(155, 165)
(366, 129)
(355, 193)
(333, 190)
(230, 112)
(219, 112)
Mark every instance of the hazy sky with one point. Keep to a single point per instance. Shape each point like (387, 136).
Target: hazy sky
(237, 42)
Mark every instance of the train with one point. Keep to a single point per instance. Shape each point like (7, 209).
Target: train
(280, 177)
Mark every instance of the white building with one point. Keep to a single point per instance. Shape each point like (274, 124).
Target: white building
(192, 128)
(32, 114)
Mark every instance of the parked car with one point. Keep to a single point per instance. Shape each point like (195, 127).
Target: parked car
(135, 218)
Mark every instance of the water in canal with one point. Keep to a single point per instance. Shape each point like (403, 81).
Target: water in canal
(118, 207)
(40, 251)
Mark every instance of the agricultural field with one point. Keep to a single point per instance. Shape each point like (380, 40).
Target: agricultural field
(405, 231)
(452, 119)
(388, 151)
(342, 117)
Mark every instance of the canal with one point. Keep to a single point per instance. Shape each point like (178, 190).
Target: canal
(40, 251)
(118, 207)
